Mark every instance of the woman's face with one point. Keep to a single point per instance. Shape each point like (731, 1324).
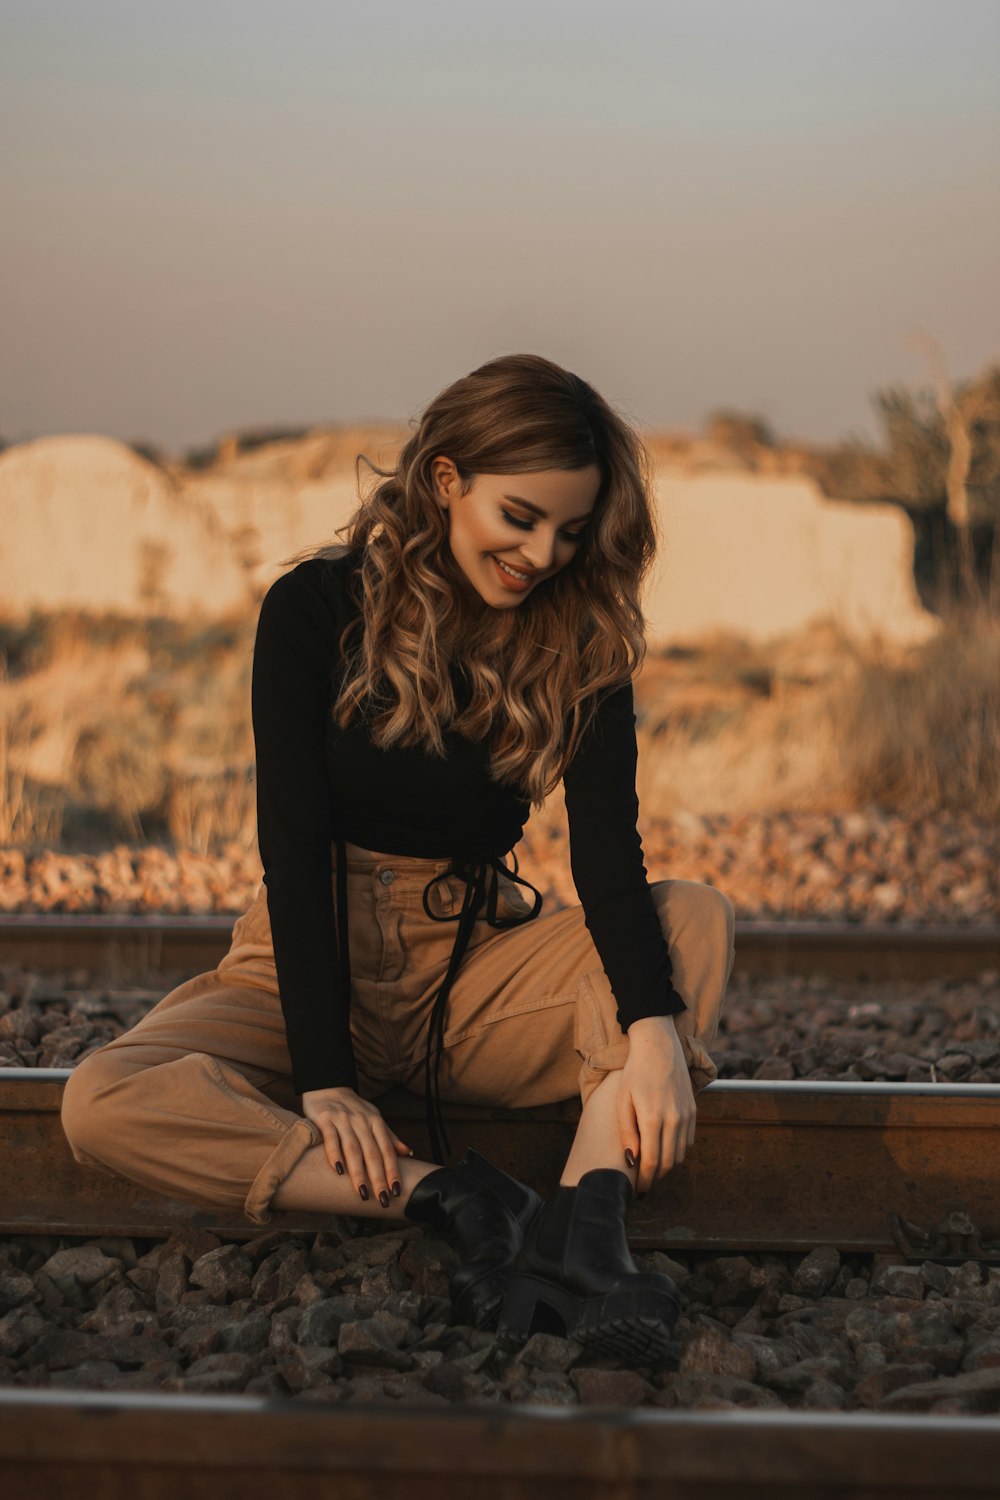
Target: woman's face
(509, 532)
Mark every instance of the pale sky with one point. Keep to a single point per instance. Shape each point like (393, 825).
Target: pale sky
(218, 215)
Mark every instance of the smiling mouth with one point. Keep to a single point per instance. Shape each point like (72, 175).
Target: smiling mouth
(514, 573)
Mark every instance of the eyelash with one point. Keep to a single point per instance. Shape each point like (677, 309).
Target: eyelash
(569, 536)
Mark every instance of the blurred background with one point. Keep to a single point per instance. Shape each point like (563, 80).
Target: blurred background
(242, 244)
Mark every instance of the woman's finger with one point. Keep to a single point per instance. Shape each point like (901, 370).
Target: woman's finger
(374, 1163)
(331, 1144)
(354, 1160)
(628, 1127)
(649, 1152)
(384, 1139)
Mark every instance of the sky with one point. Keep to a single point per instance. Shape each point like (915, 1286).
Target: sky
(217, 216)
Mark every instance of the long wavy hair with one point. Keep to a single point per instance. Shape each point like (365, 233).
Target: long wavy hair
(537, 670)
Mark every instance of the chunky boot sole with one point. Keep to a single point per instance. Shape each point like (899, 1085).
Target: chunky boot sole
(631, 1324)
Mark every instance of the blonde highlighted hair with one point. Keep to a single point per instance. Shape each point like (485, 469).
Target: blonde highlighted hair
(535, 670)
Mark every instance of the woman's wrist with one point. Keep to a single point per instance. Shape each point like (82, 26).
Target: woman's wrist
(652, 1024)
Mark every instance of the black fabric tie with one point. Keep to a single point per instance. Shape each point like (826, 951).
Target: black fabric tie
(481, 877)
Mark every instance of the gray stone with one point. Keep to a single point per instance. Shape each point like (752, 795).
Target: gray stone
(246, 1335)
(318, 1357)
(806, 1373)
(824, 1395)
(899, 1281)
(983, 1353)
(938, 1278)
(547, 1351)
(91, 1375)
(366, 1342)
(597, 1387)
(708, 1352)
(817, 1271)
(321, 1323)
(82, 1266)
(225, 1273)
(768, 1354)
(548, 1388)
(15, 1289)
(400, 1330)
(130, 1351)
(171, 1281)
(870, 1357)
(62, 1348)
(218, 1373)
(200, 1339)
(973, 1391)
(383, 1282)
(277, 1276)
(873, 1389)
(19, 1329)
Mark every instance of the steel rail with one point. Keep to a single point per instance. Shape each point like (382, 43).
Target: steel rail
(124, 945)
(155, 1447)
(775, 1166)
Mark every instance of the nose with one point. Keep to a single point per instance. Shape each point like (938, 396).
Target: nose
(538, 550)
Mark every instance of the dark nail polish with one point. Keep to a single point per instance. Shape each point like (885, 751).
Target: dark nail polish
(396, 1190)
(629, 1157)
(363, 1190)
(340, 1168)
(383, 1198)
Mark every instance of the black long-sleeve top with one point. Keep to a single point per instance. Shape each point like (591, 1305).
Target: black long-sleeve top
(316, 782)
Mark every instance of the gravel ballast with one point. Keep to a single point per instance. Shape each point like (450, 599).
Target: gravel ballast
(917, 1032)
(311, 1318)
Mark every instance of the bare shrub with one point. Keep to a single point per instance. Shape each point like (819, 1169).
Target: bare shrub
(924, 735)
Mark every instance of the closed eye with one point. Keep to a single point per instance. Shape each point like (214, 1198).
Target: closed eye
(522, 525)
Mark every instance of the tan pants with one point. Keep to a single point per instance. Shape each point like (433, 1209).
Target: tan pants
(196, 1100)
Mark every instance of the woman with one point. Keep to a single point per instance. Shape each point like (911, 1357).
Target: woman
(415, 691)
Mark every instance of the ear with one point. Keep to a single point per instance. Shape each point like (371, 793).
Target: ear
(445, 476)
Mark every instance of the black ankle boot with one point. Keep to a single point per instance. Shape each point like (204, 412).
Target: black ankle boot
(484, 1214)
(576, 1275)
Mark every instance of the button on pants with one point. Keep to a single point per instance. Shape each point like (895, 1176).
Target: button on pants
(196, 1100)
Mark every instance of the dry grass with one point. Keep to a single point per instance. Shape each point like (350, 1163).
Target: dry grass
(115, 729)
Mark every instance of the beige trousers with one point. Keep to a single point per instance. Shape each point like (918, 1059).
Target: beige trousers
(196, 1100)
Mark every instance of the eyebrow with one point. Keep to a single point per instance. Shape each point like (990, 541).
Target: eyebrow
(537, 510)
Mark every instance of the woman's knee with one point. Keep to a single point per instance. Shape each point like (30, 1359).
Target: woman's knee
(94, 1112)
(704, 905)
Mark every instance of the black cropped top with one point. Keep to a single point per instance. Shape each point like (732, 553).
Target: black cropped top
(318, 785)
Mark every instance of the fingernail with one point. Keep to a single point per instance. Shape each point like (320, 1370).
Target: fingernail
(363, 1190)
(629, 1157)
(340, 1168)
(396, 1190)
(413, 1153)
(383, 1198)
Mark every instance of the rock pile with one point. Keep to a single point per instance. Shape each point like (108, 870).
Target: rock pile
(311, 1317)
(856, 867)
(917, 1032)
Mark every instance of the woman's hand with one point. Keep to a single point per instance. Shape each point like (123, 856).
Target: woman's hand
(357, 1140)
(656, 1108)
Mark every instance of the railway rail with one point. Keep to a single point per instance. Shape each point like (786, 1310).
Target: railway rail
(890, 1167)
(155, 1447)
(781, 1166)
(129, 945)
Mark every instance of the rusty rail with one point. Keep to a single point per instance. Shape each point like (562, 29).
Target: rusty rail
(133, 947)
(156, 1447)
(776, 1166)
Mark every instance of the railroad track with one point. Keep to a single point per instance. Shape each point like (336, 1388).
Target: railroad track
(904, 1168)
(156, 1447)
(869, 1167)
(129, 946)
